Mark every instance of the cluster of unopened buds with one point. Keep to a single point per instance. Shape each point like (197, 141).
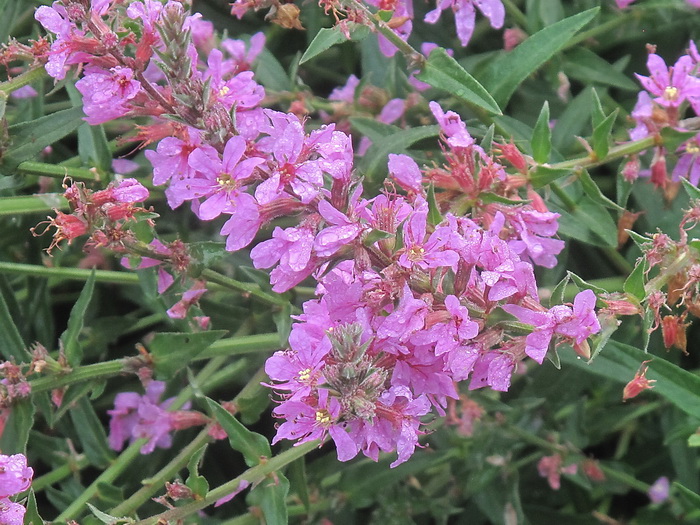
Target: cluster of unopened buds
(103, 214)
(413, 295)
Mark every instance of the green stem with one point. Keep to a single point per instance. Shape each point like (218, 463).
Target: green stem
(41, 203)
(75, 274)
(56, 171)
(73, 465)
(616, 152)
(83, 373)
(617, 260)
(515, 13)
(246, 288)
(211, 378)
(248, 344)
(625, 478)
(28, 77)
(253, 476)
(152, 484)
(566, 201)
(118, 466)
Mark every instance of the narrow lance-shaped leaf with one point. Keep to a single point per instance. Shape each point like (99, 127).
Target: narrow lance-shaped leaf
(253, 446)
(541, 142)
(508, 71)
(328, 37)
(11, 344)
(271, 497)
(69, 338)
(172, 351)
(444, 72)
(634, 284)
(602, 135)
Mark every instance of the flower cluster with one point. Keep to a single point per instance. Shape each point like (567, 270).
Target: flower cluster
(669, 92)
(15, 477)
(414, 295)
(103, 214)
(137, 416)
(412, 313)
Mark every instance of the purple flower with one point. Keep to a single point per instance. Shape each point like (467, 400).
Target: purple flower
(408, 317)
(672, 86)
(465, 15)
(534, 228)
(170, 160)
(106, 93)
(299, 370)
(342, 229)
(130, 191)
(11, 513)
(221, 182)
(56, 20)
(688, 164)
(243, 224)
(452, 126)
(240, 90)
(134, 417)
(406, 172)
(15, 475)
(659, 491)
(422, 253)
(346, 93)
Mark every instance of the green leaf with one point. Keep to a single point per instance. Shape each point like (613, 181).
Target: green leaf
(557, 296)
(44, 202)
(106, 518)
(543, 175)
(32, 515)
(90, 432)
(602, 135)
(299, 481)
(487, 197)
(487, 142)
(16, 432)
(585, 285)
(572, 121)
(375, 160)
(30, 138)
(373, 129)
(173, 351)
(620, 362)
(271, 497)
(197, 483)
(609, 326)
(375, 236)
(270, 73)
(508, 71)
(694, 441)
(283, 322)
(692, 191)
(583, 64)
(205, 253)
(253, 446)
(434, 215)
(69, 338)
(593, 191)
(541, 142)
(639, 240)
(444, 72)
(673, 138)
(589, 222)
(634, 284)
(11, 344)
(688, 495)
(328, 37)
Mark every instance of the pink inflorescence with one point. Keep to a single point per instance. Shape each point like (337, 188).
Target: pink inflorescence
(15, 477)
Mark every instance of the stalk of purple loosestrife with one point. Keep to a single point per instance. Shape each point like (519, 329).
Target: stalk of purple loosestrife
(413, 297)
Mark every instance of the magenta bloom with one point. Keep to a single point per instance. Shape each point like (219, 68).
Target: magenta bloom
(406, 173)
(576, 324)
(222, 180)
(688, 164)
(452, 126)
(465, 15)
(135, 417)
(422, 253)
(672, 86)
(15, 475)
(11, 513)
(106, 93)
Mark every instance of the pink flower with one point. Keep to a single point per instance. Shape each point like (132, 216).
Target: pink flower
(135, 417)
(15, 475)
(672, 86)
(106, 93)
(404, 170)
(11, 513)
(465, 15)
(659, 491)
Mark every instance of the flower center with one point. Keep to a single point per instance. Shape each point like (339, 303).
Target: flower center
(416, 253)
(671, 93)
(323, 417)
(692, 148)
(225, 182)
(304, 376)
